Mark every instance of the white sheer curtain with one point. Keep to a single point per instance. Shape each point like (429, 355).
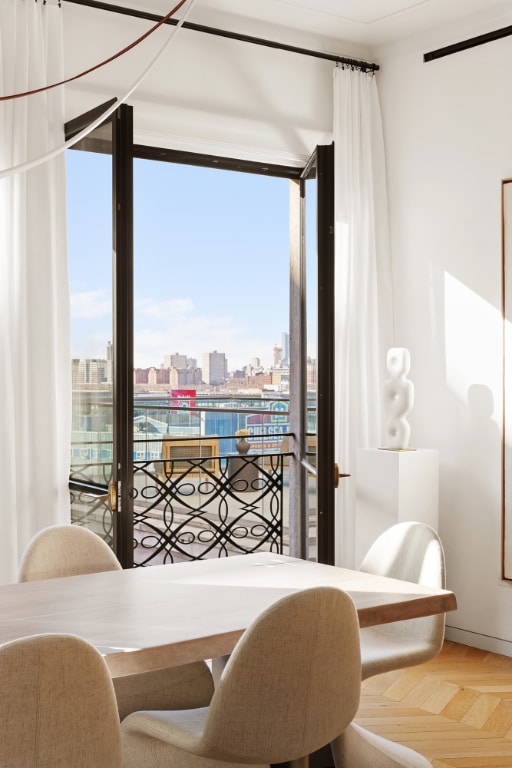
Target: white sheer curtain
(35, 380)
(363, 284)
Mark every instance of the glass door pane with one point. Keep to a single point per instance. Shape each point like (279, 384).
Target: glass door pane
(211, 327)
(89, 184)
(100, 172)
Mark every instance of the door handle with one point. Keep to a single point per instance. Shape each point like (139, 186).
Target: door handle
(338, 474)
(112, 496)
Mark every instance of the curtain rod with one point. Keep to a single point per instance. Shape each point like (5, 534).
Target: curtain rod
(472, 42)
(355, 63)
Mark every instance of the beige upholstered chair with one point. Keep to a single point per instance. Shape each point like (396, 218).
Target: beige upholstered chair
(70, 550)
(358, 748)
(65, 550)
(409, 551)
(290, 686)
(57, 708)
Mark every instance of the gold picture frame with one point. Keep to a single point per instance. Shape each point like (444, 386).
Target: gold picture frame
(506, 474)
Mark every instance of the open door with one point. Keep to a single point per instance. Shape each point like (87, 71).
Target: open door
(317, 354)
(104, 416)
(101, 478)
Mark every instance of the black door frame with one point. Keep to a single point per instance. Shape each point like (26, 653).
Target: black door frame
(326, 345)
(122, 273)
(123, 153)
(321, 167)
(118, 142)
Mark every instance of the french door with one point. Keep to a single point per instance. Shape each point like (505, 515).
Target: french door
(102, 443)
(317, 331)
(312, 473)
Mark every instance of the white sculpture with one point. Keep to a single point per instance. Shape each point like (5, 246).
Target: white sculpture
(398, 398)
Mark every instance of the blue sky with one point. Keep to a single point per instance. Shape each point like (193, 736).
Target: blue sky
(211, 261)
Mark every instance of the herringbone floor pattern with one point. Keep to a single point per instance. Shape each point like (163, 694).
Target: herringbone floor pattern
(456, 710)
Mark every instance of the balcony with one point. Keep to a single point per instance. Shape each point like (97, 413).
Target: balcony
(195, 496)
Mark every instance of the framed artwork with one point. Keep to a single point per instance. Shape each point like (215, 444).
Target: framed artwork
(506, 203)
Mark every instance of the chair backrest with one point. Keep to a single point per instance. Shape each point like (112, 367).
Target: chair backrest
(65, 550)
(292, 683)
(58, 708)
(409, 551)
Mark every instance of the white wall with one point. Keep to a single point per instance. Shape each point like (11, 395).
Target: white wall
(448, 135)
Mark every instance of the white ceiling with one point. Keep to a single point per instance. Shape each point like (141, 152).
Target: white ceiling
(366, 23)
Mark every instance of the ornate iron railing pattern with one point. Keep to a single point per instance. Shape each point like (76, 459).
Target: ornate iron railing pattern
(194, 508)
(91, 508)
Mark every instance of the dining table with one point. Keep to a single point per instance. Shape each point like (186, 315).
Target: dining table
(143, 619)
(160, 616)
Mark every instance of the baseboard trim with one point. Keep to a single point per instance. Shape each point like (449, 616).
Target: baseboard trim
(477, 640)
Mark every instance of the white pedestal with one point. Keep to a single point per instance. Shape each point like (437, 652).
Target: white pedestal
(391, 487)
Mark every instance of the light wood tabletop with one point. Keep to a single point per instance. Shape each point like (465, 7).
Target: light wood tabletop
(167, 615)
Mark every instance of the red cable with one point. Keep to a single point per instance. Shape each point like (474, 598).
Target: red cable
(101, 64)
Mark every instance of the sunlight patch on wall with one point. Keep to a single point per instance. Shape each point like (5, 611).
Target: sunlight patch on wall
(473, 339)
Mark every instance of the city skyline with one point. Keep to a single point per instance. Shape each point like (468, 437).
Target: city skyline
(178, 372)
(179, 361)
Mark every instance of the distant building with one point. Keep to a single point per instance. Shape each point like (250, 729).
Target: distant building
(173, 378)
(259, 381)
(158, 376)
(108, 369)
(163, 376)
(285, 343)
(140, 375)
(281, 377)
(311, 375)
(278, 356)
(185, 377)
(75, 364)
(215, 368)
(255, 367)
(90, 371)
(175, 361)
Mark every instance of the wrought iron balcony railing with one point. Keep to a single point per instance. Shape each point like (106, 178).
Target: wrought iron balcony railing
(192, 503)
(197, 491)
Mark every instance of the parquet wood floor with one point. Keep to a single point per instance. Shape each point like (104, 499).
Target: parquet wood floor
(456, 709)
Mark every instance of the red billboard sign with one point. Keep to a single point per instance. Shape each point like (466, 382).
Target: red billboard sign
(183, 398)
